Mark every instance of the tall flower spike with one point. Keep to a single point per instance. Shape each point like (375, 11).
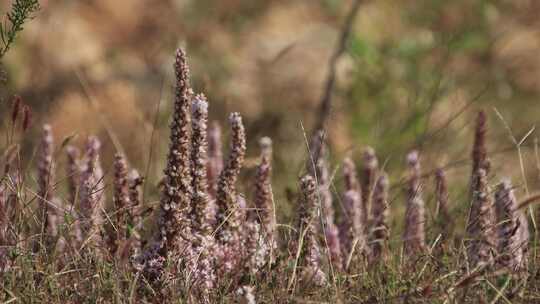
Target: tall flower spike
(74, 172)
(310, 253)
(134, 216)
(369, 174)
(228, 215)
(264, 204)
(318, 167)
(260, 225)
(479, 153)
(481, 214)
(121, 202)
(91, 192)
(174, 220)
(215, 157)
(351, 230)
(349, 175)
(203, 212)
(441, 195)
(379, 212)
(414, 235)
(479, 223)
(509, 228)
(46, 169)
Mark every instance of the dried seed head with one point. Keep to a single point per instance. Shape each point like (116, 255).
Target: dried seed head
(414, 234)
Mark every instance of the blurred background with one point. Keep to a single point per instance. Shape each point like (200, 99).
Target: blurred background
(413, 75)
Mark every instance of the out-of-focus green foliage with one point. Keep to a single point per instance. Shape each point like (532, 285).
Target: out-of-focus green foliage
(21, 12)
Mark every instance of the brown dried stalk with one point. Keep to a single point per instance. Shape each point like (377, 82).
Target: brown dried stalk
(310, 252)
(414, 236)
(228, 213)
(380, 231)
(369, 174)
(510, 228)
